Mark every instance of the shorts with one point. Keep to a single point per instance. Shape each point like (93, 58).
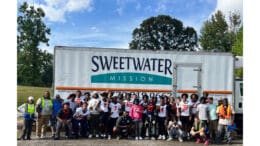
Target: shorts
(53, 121)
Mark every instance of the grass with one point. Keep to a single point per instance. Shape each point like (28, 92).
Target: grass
(23, 92)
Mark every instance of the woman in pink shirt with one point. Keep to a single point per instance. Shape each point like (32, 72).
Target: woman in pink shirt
(136, 113)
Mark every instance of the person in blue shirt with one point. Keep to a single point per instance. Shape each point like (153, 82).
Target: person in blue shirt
(28, 110)
(57, 105)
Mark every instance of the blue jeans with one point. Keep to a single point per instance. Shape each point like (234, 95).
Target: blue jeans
(83, 124)
(223, 129)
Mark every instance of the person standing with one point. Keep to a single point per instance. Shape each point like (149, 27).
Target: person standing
(136, 113)
(94, 108)
(226, 118)
(185, 109)
(72, 102)
(202, 110)
(44, 109)
(57, 105)
(104, 115)
(28, 109)
(213, 123)
(114, 108)
(162, 114)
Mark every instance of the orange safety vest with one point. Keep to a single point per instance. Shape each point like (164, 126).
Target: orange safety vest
(222, 113)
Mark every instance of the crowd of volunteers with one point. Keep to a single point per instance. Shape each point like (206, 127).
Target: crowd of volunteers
(127, 116)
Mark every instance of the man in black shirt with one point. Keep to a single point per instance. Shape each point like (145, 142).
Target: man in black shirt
(123, 126)
(64, 118)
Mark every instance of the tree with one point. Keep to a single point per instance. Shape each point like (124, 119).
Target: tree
(237, 48)
(163, 33)
(31, 32)
(217, 35)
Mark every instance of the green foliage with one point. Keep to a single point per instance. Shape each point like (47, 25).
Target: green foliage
(23, 92)
(32, 68)
(239, 73)
(216, 35)
(237, 48)
(163, 33)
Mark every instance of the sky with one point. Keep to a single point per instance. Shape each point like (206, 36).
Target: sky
(109, 23)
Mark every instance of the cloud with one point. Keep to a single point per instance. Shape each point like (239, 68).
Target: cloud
(56, 10)
(227, 6)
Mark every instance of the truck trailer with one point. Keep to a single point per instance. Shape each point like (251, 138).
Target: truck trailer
(147, 72)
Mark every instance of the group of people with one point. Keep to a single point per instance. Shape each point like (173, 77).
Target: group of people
(129, 117)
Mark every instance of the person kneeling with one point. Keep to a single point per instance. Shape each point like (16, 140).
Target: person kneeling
(174, 129)
(198, 131)
(80, 117)
(64, 118)
(123, 125)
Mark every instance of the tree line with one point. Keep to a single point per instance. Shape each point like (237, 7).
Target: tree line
(35, 66)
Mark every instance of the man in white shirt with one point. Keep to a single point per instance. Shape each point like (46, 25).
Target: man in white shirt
(80, 117)
(94, 108)
(114, 108)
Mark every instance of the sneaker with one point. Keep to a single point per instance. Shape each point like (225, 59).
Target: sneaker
(37, 137)
(42, 137)
(160, 137)
(169, 139)
(163, 137)
(206, 142)
(90, 136)
(140, 138)
(198, 140)
(118, 138)
(56, 138)
(109, 137)
(180, 139)
(97, 136)
(136, 138)
(153, 138)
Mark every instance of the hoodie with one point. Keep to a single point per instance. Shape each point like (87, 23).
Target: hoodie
(136, 112)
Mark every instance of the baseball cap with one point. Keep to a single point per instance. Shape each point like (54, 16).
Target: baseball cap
(30, 98)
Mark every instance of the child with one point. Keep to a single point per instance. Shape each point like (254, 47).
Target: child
(80, 117)
(28, 109)
(94, 108)
(198, 131)
(151, 118)
(136, 113)
(174, 129)
(64, 118)
(104, 118)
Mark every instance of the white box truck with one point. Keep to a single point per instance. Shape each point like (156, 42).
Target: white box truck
(142, 71)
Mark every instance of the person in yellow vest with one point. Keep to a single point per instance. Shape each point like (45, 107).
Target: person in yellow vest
(44, 109)
(28, 109)
(226, 118)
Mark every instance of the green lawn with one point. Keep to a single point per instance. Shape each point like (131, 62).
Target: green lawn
(23, 92)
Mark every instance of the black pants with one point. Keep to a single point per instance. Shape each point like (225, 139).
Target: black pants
(94, 124)
(185, 122)
(112, 123)
(162, 127)
(27, 128)
(104, 119)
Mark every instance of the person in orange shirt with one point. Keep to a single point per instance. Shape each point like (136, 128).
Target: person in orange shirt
(226, 118)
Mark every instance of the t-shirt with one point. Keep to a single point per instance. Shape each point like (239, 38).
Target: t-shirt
(194, 106)
(114, 109)
(186, 107)
(171, 123)
(162, 112)
(57, 105)
(128, 105)
(93, 106)
(212, 108)
(65, 114)
(203, 109)
(104, 106)
(80, 111)
(225, 121)
(47, 109)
